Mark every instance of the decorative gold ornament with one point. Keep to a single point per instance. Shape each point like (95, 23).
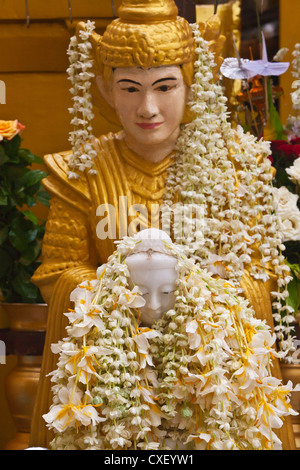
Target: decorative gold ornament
(138, 37)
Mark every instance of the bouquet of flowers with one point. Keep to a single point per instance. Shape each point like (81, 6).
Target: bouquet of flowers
(21, 232)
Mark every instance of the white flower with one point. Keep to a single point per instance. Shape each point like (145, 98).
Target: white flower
(194, 337)
(284, 199)
(216, 264)
(69, 413)
(294, 171)
(280, 54)
(82, 321)
(132, 298)
(141, 340)
(288, 213)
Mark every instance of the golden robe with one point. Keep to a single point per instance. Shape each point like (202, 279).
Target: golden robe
(72, 250)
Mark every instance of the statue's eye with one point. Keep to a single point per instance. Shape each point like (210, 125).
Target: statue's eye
(132, 89)
(164, 88)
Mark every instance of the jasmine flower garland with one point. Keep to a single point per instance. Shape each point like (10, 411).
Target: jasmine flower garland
(227, 174)
(293, 122)
(80, 73)
(200, 378)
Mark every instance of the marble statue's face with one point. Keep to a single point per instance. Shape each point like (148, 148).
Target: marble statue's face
(150, 103)
(156, 277)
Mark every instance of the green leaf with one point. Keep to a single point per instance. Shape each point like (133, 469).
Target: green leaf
(22, 232)
(3, 235)
(274, 123)
(28, 157)
(30, 255)
(5, 264)
(3, 197)
(24, 286)
(20, 241)
(33, 177)
(31, 216)
(3, 157)
(15, 173)
(294, 287)
(12, 147)
(43, 197)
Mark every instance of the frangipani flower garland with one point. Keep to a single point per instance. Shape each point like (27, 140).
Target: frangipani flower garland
(227, 174)
(200, 378)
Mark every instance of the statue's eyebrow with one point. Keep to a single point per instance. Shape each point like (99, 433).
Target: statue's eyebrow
(163, 79)
(129, 81)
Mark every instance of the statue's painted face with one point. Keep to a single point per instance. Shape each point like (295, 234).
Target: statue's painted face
(150, 103)
(156, 277)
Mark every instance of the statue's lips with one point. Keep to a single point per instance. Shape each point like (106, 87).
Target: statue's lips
(149, 126)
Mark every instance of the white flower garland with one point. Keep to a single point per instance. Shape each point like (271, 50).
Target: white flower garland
(293, 122)
(80, 73)
(198, 379)
(216, 167)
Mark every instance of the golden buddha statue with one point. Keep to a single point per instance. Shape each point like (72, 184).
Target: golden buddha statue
(144, 70)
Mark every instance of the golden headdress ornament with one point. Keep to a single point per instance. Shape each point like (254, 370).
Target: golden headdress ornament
(146, 34)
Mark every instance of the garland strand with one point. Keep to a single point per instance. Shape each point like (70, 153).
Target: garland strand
(293, 122)
(80, 73)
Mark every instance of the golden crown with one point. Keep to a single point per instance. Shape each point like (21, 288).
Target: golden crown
(147, 34)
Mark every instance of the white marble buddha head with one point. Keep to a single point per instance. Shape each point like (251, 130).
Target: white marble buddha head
(153, 269)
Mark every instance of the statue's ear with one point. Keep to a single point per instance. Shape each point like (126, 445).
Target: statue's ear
(105, 90)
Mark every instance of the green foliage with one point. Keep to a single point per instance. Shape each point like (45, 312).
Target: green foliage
(21, 232)
(294, 287)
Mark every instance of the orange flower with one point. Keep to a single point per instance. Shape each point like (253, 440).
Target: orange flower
(9, 129)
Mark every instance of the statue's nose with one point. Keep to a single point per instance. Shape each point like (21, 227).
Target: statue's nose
(154, 302)
(148, 106)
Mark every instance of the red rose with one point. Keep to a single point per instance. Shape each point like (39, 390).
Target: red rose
(295, 141)
(290, 150)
